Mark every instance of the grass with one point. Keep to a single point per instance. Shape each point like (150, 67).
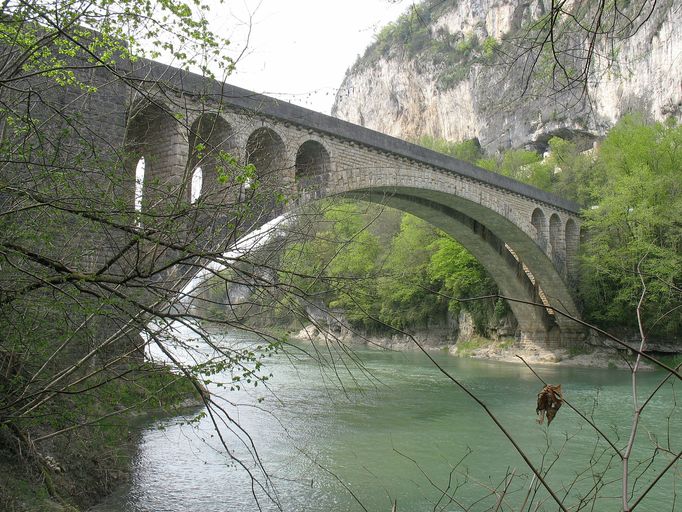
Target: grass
(580, 350)
(465, 348)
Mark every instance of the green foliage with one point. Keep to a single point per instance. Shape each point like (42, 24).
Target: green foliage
(574, 174)
(635, 228)
(104, 33)
(465, 348)
(405, 291)
(467, 150)
(385, 273)
(522, 165)
(462, 276)
(336, 262)
(489, 47)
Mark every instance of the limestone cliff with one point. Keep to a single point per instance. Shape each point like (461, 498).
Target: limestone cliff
(439, 71)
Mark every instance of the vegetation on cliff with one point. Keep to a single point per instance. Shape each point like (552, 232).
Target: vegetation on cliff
(414, 36)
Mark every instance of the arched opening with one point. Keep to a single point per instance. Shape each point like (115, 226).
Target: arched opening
(502, 264)
(539, 222)
(195, 188)
(212, 153)
(486, 233)
(312, 163)
(152, 164)
(572, 240)
(139, 184)
(265, 151)
(557, 242)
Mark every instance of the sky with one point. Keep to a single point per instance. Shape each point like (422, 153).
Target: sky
(299, 50)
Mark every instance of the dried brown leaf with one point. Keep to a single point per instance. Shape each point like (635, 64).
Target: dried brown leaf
(549, 402)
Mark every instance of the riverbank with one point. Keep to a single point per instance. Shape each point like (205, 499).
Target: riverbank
(80, 466)
(595, 354)
(588, 356)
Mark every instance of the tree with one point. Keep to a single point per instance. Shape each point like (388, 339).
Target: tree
(570, 42)
(635, 225)
(87, 265)
(462, 275)
(405, 301)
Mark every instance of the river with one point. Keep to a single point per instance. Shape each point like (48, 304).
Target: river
(355, 436)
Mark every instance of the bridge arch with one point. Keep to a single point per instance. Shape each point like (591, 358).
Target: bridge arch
(211, 143)
(556, 242)
(519, 233)
(150, 135)
(312, 164)
(266, 150)
(515, 259)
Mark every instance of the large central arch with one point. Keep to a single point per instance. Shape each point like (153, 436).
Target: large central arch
(537, 324)
(517, 261)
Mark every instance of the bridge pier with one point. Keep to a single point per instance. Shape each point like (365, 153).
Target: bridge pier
(553, 338)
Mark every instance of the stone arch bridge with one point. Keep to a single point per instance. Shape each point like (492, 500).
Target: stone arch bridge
(526, 238)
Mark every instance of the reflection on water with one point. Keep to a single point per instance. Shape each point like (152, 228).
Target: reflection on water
(328, 440)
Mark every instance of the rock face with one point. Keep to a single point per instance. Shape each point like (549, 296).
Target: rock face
(407, 93)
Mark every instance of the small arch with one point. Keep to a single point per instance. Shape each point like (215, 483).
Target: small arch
(312, 160)
(195, 185)
(265, 151)
(139, 183)
(556, 240)
(211, 138)
(152, 135)
(572, 240)
(539, 222)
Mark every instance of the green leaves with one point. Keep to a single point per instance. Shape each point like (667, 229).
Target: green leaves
(53, 40)
(404, 293)
(636, 224)
(383, 267)
(467, 150)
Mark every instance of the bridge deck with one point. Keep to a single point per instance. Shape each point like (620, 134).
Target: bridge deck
(243, 99)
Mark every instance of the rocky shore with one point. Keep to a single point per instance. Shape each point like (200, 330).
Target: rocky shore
(596, 353)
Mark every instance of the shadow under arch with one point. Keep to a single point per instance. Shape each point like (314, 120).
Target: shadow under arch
(212, 149)
(556, 241)
(149, 133)
(265, 150)
(312, 164)
(572, 242)
(539, 222)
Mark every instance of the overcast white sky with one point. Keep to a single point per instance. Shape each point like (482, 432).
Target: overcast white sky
(299, 50)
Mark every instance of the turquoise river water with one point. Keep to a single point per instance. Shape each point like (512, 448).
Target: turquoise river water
(357, 435)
